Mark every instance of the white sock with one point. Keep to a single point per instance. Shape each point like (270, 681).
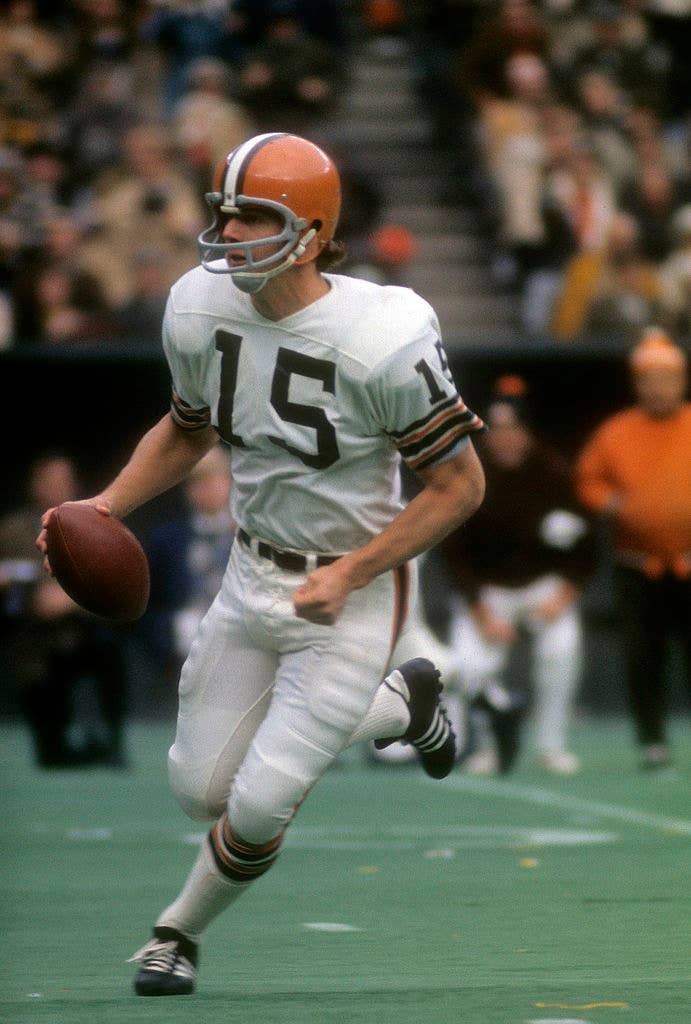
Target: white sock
(205, 895)
(388, 713)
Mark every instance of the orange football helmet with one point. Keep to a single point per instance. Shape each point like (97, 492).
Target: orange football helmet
(282, 173)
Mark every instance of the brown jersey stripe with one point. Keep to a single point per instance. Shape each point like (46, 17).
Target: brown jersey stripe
(431, 424)
(186, 424)
(187, 417)
(447, 426)
(443, 445)
(183, 405)
(435, 451)
(401, 436)
(438, 455)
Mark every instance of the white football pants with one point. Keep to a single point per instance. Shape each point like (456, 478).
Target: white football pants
(557, 654)
(268, 700)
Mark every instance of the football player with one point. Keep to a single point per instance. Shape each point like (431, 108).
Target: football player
(320, 384)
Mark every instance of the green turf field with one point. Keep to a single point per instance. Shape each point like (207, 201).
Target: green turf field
(397, 900)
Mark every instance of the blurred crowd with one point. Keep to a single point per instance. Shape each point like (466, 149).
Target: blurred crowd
(571, 121)
(113, 117)
(567, 120)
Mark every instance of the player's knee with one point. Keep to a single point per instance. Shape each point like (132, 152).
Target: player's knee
(257, 817)
(194, 792)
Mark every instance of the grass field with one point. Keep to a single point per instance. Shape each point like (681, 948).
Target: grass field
(397, 900)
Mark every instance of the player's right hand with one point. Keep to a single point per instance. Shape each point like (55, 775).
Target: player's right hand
(50, 602)
(322, 596)
(100, 503)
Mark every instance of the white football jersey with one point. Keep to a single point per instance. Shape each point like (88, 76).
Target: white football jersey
(318, 407)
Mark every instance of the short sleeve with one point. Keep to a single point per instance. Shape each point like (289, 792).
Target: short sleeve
(187, 408)
(419, 404)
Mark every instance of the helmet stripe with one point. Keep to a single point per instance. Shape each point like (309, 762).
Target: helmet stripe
(238, 162)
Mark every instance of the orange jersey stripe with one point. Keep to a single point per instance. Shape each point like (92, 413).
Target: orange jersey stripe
(443, 443)
(410, 438)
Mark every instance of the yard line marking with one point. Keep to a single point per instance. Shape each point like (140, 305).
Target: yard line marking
(450, 838)
(330, 926)
(90, 834)
(548, 797)
(558, 1020)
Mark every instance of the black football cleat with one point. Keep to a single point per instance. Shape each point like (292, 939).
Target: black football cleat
(430, 732)
(168, 964)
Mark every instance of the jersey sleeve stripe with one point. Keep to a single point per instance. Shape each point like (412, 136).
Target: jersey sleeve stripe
(450, 420)
(435, 452)
(187, 417)
(433, 424)
(444, 426)
(449, 411)
(401, 436)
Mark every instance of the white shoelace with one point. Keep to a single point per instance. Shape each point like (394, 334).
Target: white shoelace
(163, 957)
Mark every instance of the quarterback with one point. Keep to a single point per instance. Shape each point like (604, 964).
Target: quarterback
(319, 384)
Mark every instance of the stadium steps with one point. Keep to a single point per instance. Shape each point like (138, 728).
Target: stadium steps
(380, 122)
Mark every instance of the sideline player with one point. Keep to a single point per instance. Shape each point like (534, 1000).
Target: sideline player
(319, 383)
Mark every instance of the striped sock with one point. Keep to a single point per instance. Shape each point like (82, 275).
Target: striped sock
(222, 872)
(237, 860)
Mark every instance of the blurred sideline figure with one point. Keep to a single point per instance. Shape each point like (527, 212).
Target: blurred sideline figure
(636, 471)
(52, 645)
(517, 569)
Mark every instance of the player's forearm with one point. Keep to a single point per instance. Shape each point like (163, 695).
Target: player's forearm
(450, 496)
(163, 457)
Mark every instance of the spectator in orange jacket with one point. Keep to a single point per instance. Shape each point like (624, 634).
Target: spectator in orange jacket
(636, 470)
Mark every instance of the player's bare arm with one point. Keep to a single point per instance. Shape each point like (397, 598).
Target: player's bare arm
(453, 491)
(164, 456)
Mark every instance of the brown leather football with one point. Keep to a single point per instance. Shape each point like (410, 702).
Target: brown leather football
(98, 561)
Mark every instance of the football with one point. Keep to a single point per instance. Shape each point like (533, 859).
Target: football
(98, 561)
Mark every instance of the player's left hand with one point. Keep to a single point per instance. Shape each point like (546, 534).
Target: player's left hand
(322, 596)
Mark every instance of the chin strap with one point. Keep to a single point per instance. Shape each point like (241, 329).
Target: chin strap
(253, 283)
(301, 247)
